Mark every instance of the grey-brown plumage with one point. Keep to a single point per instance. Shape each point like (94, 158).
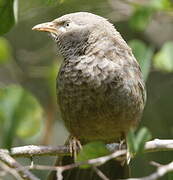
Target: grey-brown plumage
(100, 89)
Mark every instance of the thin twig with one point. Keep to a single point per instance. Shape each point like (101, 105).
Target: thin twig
(12, 163)
(160, 172)
(97, 161)
(32, 150)
(59, 174)
(92, 162)
(100, 174)
(155, 164)
(9, 170)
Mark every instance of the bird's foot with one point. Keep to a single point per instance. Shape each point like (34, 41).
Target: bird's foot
(75, 146)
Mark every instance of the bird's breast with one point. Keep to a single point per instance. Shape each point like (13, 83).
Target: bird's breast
(98, 95)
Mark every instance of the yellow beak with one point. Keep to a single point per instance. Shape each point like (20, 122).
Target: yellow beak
(46, 27)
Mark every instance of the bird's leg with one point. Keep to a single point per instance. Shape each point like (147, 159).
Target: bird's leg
(122, 145)
(74, 145)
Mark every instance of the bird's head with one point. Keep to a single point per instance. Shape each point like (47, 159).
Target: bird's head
(72, 31)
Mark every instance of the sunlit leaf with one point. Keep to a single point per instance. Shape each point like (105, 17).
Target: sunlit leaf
(143, 54)
(141, 18)
(21, 113)
(91, 151)
(163, 60)
(7, 17)
(5, 50)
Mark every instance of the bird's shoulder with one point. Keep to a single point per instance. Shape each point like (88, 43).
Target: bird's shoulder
(104, 62)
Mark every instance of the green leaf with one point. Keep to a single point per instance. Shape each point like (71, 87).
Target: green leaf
(5, 50)
(163, 60)
(142, 137)
(90, 151)
(143, 54)
(136, 142)
(21, 113)
(7, 17)
(131, 142)
(141, 18)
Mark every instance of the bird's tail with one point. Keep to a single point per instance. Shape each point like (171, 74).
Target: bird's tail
(112, 170)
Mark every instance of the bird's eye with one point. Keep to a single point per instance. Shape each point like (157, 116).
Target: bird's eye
(67, 24)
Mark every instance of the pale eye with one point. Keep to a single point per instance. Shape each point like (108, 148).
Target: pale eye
(66, 24)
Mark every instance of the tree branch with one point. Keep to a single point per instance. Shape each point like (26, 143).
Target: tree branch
(160, 172)
(100, 174)
(12, 163)
(92, 162)
(32, 150)
(161, 169)
(7, 169)
(159, 145)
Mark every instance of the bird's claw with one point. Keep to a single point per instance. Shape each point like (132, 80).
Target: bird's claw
(75, 146)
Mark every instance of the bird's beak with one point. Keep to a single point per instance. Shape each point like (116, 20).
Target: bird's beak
(46, 27)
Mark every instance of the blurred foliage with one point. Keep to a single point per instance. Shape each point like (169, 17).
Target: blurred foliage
(161, 4)
(141, 18)
(163, 59)
(7, 15)
(143, 55)
(142, 14)
(20, 112)
(51, 74)
(137, 141)
(5, 50)
(25, 54)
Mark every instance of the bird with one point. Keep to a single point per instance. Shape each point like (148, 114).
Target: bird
(100, 88)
